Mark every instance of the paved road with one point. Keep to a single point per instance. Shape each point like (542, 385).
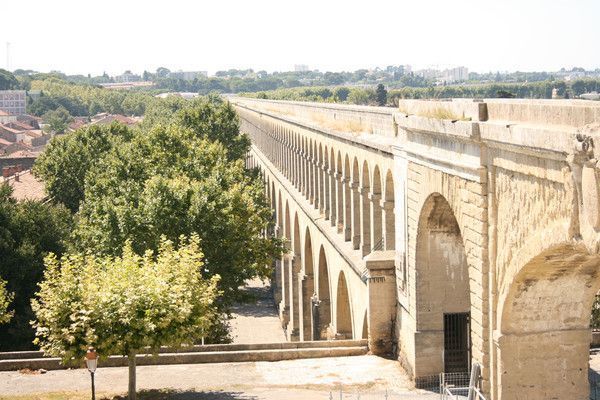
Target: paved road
(283, 380)
(257, 322)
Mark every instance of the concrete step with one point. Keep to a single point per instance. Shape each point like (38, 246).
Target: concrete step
(277, 352)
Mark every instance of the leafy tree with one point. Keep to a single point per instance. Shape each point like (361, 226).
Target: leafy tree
(162, 72)
(58, 120)
(341, 94)
(66, 160)
(122, 305)
(28, 231)
(7, 80)
(5, 299)
(381, 95)
(216, 120)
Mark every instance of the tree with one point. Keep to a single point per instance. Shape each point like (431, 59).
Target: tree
(7, 80)
(67, 159)
(58, 120)
(5, 299)
(381, 95)
(162, 72)
(124, 305)
(341, 93)
(28, 231)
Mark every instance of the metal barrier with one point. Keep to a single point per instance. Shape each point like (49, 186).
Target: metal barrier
(456, 386)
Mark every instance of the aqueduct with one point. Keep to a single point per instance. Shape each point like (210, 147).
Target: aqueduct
(445, 232)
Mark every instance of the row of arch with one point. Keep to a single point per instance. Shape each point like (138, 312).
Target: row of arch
(305, 280)
(355, 195)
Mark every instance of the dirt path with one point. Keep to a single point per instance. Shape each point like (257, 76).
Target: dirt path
(257, 322)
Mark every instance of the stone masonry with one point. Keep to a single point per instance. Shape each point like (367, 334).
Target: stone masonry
(398, 221)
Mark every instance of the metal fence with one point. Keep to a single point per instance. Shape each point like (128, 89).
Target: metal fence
(454, 385)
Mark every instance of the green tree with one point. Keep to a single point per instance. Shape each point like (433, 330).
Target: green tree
(341, 94)
(5, 299)
(122, 305)
(7, 80)
(216, 120)
(58, 120)
(28, 231)
(381, 95)
(67, 159)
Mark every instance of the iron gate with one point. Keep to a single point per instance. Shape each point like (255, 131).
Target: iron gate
(457, 342)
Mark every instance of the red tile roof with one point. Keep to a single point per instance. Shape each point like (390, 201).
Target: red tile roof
(27, 187)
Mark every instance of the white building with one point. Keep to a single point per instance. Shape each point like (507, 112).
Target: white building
(13, 101)
(301, 68)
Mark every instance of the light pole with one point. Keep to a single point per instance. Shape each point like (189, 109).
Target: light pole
(91, 360)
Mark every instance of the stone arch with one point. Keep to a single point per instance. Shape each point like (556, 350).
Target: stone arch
(279, 230)
(332, 185)
(343, 312)
(347, 200)
(355, 204)
(293, 331)
(442, 291)
(339, 196)
(324, 297)
(324, 197)
(308, 287)
(365, 209)
(544, 317)
(376, 212)
(389, 217)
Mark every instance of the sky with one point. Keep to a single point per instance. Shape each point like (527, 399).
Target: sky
(91, 36)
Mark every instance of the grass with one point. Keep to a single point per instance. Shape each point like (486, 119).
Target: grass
(438, 113)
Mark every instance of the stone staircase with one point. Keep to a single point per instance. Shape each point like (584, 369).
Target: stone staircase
(218, 353)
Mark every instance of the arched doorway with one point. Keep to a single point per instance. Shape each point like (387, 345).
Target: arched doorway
(343, 314)
(293, 331)
(308, 288)
(324, 304)
(442, 292)
(544, 339)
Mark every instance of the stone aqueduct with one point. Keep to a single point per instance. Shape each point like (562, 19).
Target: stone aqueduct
(445, 232)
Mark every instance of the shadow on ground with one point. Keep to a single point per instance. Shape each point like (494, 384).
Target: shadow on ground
(169, 394)
(255, 302)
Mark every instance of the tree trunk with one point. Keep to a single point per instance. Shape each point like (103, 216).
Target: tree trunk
(132, 392)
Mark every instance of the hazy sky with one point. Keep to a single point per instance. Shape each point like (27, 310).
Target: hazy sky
(91, 36)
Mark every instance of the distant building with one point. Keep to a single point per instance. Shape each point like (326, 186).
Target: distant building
(13, 101)
(188, 75)
(457, 74)
(5, 117)
(301, 68)
(127, 76)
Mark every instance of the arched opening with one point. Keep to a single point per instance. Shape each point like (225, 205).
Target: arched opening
(279, 213)
(365, 328)
(347, 200)
(286, 266)
(389, 217)
(376, 212)
(544, 339)
(311, 173)
(365, 210)
(324, 303)
(339, 196)
(333, 184)
(343, 315)
(293, 331)
(355, 202)
(442, 292)
(308, 288)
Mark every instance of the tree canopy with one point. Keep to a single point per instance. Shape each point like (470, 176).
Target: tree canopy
(28, 231)
(123, 304)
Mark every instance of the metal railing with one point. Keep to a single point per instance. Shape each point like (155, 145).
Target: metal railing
(462, 385)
